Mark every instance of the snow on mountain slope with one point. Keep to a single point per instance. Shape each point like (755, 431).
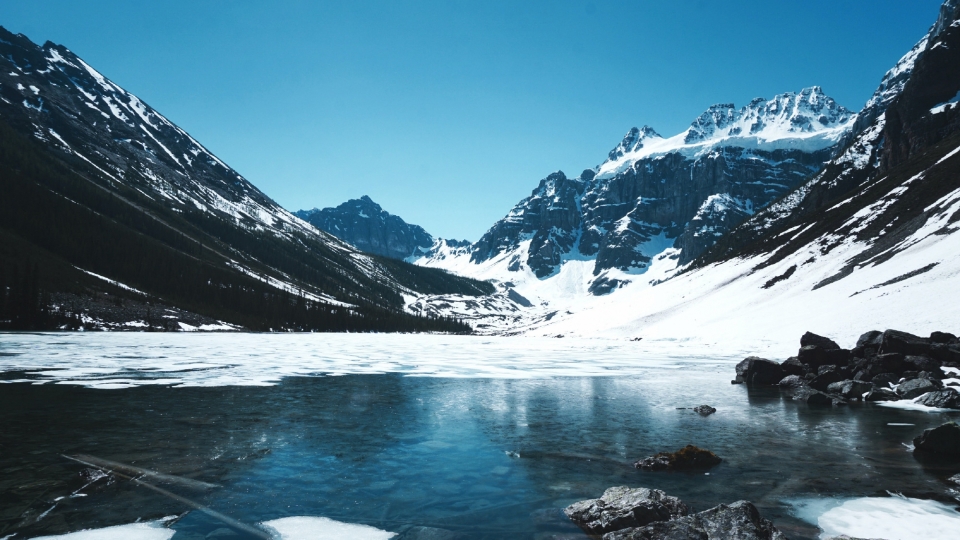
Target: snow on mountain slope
(809, 120)
(111, 142)
(870, 241)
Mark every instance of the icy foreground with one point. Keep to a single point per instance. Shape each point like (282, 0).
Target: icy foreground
(115, 360)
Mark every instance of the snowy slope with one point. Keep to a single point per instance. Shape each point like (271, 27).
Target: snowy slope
(114, 142)
(870, 241)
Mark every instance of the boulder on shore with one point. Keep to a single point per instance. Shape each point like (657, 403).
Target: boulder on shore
(810, 338)
(916, 388)
(687, 458)
(850, 389)
(792, 381)
(903, 343)
(759, 371)
(792, 366)
(737, 521)
(881, 394)
(943, 441)
(944, 399)
(622, 507)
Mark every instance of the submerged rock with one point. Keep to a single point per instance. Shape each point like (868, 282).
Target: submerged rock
(687, 458)
(942, 441)
(812, 397)
(737, 521)
(704, 410)
(429, 533)
(759, 371)
(622, 507)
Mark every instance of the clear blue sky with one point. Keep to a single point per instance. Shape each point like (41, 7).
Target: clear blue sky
(448, 112)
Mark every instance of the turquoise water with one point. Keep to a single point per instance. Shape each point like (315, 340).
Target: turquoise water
(481, 457)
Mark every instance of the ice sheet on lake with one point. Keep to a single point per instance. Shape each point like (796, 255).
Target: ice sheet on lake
(124, 360)
(149, 530)
(321, 528)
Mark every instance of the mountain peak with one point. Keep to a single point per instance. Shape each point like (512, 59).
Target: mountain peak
(633, 141)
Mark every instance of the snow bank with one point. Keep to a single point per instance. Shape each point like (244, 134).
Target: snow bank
(893, 518)
(150, 530)
(321, 528)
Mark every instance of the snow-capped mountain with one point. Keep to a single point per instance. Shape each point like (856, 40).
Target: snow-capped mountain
(122, 164)
(368, 227)
(761, 222)
(654, 194)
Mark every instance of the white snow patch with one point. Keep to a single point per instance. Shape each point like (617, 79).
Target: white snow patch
(894, 518)
(150, 530)
(112, 282)
(321, 528)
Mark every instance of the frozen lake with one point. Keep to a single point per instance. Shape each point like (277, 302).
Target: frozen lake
(483, 437)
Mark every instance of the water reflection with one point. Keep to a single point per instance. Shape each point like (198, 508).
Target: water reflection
(485, 458)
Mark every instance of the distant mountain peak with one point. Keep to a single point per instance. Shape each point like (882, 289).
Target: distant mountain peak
(367, 226)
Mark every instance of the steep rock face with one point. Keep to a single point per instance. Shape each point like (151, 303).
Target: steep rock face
(864, 194)
(653, 193)
(549, 218)
(364, 224)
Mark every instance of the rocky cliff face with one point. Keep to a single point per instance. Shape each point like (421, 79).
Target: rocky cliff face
(913, 111)
(364, 224)
(684, 192)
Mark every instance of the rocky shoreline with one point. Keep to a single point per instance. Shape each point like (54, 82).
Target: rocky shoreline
(884, 366)
(887, 366)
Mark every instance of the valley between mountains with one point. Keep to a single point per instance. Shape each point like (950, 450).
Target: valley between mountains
(758, 222)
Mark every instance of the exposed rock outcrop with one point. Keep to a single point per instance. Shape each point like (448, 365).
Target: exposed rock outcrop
(687, 458)
(622, 507)
(737, 521)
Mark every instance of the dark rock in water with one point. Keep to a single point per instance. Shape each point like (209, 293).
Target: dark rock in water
(872, 339)
(812, 355)
(792, 366)
(944, 399)
(943, 337)
(809, 377)
(622, 507)
(704, 410)
(792, 381)
(916, 388)
(825, 378)
(907, 375)
(882, 394)
(903, 343)
(687, 458)
(943, 441)
(812, 397)
(759, 371)
(812, 339)
(885, 379)
(850, 389)
(737, 521)
(935, 376)
(826, 369)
